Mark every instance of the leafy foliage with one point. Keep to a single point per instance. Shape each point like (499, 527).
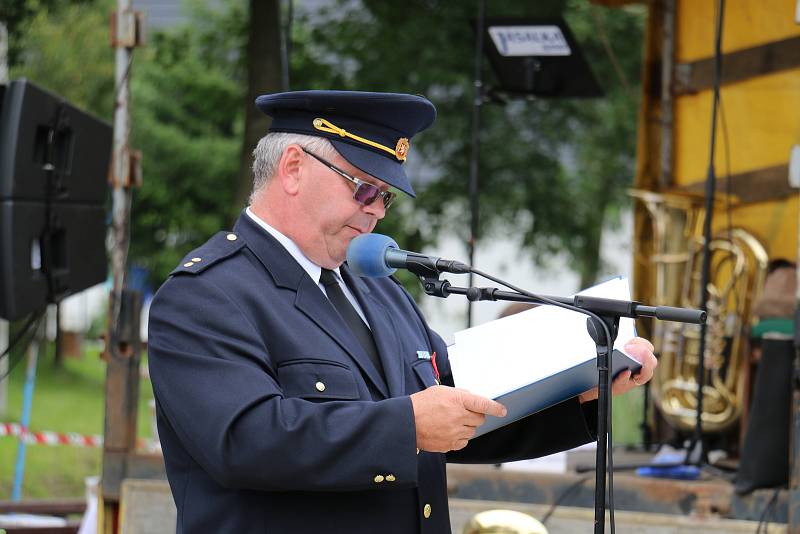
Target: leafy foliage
(67, 51)
(187, 122)
(17, 16)
(554, 170)
(550, 168)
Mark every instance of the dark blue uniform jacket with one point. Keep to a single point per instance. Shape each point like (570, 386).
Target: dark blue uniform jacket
(273, 419)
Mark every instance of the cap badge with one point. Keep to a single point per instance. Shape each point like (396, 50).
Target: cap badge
(401, 150)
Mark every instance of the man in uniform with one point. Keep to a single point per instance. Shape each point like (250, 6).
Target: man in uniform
(291, 395)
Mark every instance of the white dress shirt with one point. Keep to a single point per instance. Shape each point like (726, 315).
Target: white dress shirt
(313, 270)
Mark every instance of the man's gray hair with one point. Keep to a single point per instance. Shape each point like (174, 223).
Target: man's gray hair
(270, 149)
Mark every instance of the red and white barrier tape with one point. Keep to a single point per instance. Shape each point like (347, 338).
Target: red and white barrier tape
(61, 438)
(50, 438)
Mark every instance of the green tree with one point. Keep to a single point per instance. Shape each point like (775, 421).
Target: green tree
(18, 16)
(553, 169)
(187, 120)
(67, 51)
(265, 64)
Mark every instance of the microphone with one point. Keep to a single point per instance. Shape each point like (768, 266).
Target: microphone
(376, 255)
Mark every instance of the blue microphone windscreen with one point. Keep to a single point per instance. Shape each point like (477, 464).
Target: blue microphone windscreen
(366, 255)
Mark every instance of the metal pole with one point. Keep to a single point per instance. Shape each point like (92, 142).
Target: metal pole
(122, 347)
(120, 172)
(794, 440)
(793, 526)
(711, 181)
(477, 102)
(3, 54)
(3, 323)
(27, 402)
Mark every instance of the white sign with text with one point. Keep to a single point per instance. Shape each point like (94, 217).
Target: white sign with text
(529, 41)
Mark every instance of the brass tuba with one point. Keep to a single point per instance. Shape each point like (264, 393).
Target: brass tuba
(736, 275)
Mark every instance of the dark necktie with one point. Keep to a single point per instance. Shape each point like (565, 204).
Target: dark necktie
(350, 315)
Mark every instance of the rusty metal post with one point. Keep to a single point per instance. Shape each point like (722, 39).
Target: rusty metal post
(3, 53)
(122, 341)
(667, 113)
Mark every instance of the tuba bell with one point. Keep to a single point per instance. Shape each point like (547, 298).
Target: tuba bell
(736, 275)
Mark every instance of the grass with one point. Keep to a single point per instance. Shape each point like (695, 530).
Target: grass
(69, 399)
(626, 417)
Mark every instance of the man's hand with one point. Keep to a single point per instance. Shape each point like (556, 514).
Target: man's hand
(446, 418)
(642, 351)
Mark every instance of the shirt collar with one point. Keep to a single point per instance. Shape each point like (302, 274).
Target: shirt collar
(313, 270)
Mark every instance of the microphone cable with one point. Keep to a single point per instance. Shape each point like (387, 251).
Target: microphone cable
(599, 527)
(368, 255)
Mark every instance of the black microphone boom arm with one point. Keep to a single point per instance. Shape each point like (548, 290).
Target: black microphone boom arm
(601, 306)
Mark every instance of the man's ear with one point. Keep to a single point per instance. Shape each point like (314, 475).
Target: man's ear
(290, 169)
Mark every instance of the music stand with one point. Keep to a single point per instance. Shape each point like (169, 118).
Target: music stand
(530, 56)
(536, 56)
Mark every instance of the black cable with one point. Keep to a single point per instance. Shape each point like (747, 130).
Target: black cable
(709, 212)
(47, 233)
(31, 326)
(610, 349)
(125, 77)
(728, 185)
(33, 316)
(610, 445)
(773, 501)
(561, 498)
(475, 143)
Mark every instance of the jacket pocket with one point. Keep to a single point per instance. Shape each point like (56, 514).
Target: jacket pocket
(424, 371)
(310, 378)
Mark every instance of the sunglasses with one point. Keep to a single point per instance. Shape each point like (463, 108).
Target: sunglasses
(365, 193)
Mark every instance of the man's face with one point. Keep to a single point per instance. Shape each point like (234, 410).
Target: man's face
(331, 216)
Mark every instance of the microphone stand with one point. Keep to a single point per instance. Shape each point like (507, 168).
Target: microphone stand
(602, 325)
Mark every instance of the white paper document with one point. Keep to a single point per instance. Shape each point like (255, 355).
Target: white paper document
(499, 357)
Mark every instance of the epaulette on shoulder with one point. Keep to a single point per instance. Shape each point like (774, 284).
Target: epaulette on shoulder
(219, 247)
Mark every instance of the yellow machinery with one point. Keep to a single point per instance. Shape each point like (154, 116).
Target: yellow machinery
(755, 216)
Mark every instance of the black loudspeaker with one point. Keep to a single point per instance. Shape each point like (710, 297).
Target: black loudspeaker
(38, 128)
(54, 161)
(765, 453)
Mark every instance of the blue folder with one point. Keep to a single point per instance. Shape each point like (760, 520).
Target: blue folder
(553, 389)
